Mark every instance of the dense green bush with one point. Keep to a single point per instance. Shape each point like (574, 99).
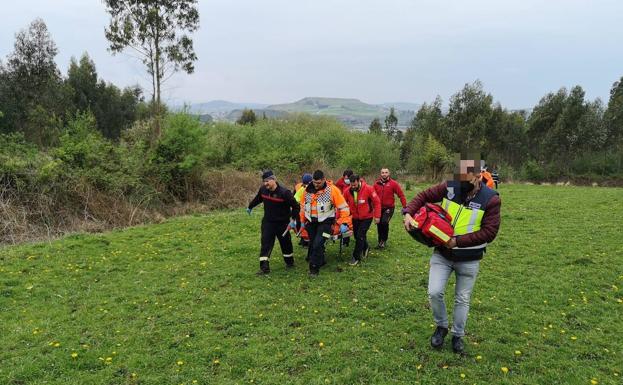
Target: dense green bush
(295, 144)
(83, 154)
(532, 171)
(20, 162)
(429, 157)
(178, 157)
(602, 163)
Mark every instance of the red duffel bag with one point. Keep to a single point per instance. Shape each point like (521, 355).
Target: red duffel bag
(432, 225)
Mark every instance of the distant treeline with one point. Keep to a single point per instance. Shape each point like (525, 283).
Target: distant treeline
(38, 101)
(563, 136)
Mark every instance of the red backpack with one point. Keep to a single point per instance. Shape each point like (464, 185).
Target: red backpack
(433, 225)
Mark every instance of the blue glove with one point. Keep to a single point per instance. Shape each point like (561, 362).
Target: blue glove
(302, 225)
(343, 228)
(249, 211)
(292, 224)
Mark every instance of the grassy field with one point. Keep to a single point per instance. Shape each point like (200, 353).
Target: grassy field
(178, 303)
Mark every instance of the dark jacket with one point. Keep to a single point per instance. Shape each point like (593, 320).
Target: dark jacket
(488, 228)
(279, 205)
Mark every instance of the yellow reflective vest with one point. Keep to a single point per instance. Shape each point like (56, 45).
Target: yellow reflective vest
(467, 218)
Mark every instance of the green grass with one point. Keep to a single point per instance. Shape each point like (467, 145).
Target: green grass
(179, 301)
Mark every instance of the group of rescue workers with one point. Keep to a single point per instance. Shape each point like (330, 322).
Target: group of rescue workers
(318, 210)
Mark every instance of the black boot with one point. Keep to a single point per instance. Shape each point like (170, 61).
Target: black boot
(314, 270)
(264, 268)
(457, 344)
(436, 340)
(289, 262)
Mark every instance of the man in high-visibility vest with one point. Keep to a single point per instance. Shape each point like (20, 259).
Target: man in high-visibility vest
(299, 190)
(475, 211)
(322, 205)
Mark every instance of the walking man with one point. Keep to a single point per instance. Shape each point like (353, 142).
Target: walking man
(344, 181)
(475, 211)
(281, 213)
(364, 205)
(323, 205)
(386, 188)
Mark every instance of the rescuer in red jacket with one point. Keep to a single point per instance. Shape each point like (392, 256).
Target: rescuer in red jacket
(364, 205)
(386, 188)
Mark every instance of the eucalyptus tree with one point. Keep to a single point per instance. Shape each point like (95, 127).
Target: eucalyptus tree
(157, 31)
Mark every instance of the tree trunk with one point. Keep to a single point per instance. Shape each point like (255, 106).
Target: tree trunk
(158, 78)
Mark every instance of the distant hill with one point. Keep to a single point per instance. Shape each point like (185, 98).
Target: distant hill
(352, 112)
(330, 106)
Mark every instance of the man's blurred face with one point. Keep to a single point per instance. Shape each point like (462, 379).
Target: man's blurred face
(270, 183)
(467, 174)
(384, 173)
(355, 185)
(318, 183)
(467, 170)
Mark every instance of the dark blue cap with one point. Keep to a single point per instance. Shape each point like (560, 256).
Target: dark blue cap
(268, 174)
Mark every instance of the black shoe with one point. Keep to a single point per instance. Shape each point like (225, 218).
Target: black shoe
(436, 340)
(289, 262)
(354, 261)
(313, 270)
(381, 245)
(457, 344)
(264, 268)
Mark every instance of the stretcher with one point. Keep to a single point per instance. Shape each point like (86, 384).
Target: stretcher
(335, 236)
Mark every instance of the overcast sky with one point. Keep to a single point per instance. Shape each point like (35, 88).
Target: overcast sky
(276, 51)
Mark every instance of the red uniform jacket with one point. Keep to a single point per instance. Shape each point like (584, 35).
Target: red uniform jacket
(340, 184)
(367, 205)
(386, 191)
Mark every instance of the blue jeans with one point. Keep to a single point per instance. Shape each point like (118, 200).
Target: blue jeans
(440, 270)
